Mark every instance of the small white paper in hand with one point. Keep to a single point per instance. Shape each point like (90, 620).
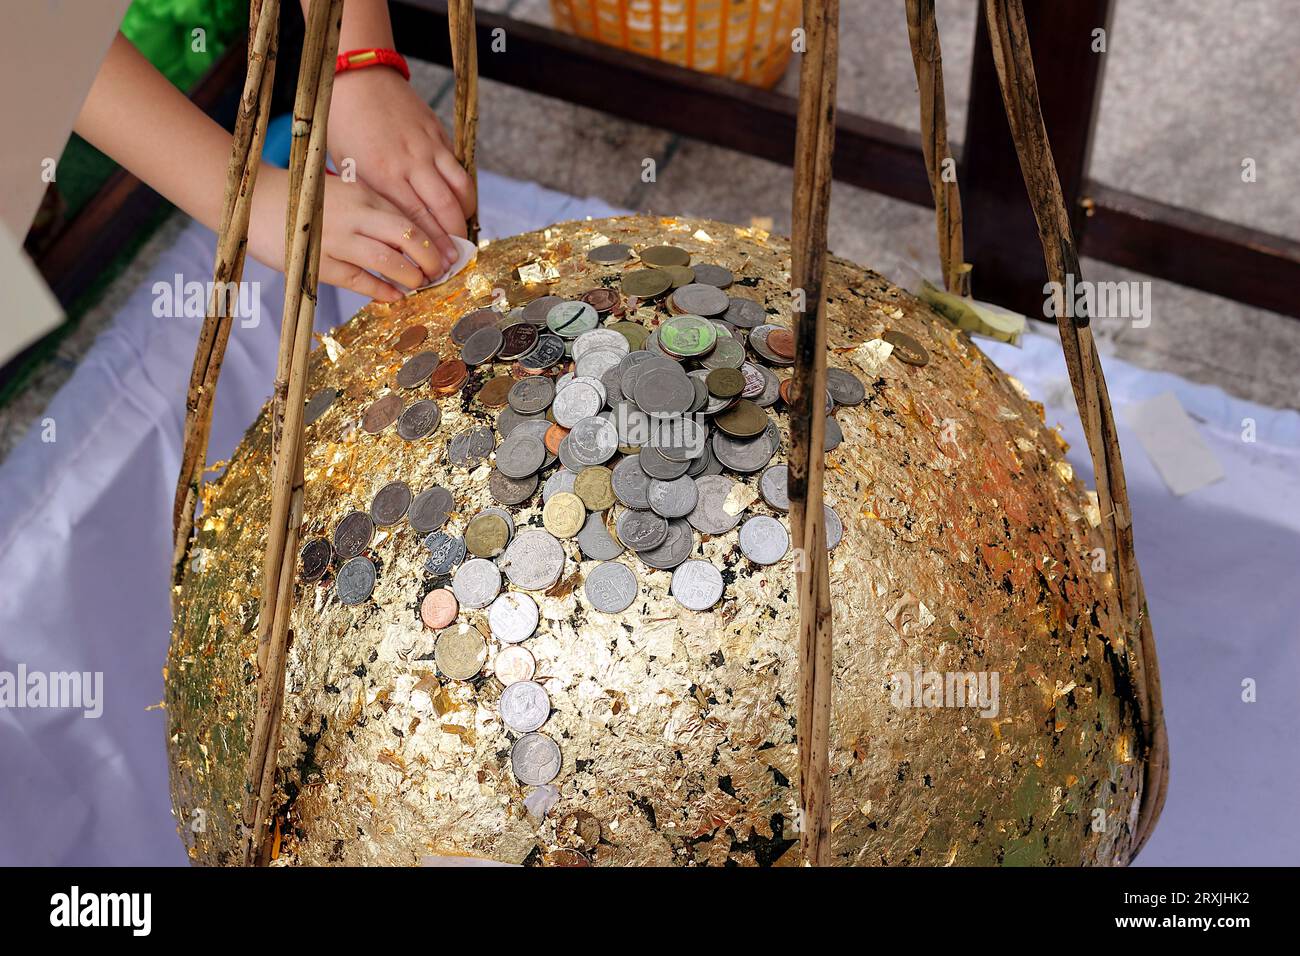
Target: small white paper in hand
(466, 252)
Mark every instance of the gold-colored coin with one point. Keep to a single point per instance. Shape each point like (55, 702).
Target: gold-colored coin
(634, 332)
(665, 256)
(646, 283)
(742, 420)
(486, 535)
(906, 348)
(564, 514)
(681, 275)
(460, 653)
(595, 487)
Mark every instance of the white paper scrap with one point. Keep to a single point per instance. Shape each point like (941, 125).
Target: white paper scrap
(1172, 442)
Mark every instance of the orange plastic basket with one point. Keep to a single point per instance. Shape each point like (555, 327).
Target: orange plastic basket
(746, 40)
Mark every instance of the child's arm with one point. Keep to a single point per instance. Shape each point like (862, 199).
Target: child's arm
(143, 122)
(399, 146)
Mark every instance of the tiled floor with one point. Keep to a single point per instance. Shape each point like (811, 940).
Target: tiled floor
(1191, 89)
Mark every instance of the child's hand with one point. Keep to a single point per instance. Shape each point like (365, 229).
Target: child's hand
(401, 152)
(363, 233)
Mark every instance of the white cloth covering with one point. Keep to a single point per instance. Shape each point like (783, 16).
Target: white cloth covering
(85, 542)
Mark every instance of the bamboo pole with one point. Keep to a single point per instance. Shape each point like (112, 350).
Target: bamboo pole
(464, 64)
(311, 113)
(814, 144)
(228, 270)
(927, 59)
(1015, 67)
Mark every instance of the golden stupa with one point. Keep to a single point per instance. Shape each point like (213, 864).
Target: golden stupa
(968, 547)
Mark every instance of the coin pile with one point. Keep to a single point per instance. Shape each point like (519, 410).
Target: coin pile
(633, 434)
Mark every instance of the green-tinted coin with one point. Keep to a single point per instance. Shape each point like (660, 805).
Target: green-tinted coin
(725, 382)
(646, 283)
(665, 256)
(687, 336)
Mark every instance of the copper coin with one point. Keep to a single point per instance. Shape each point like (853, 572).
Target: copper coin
(381, 413)
(785, 388)
(472, 322)
(554, 435)
(315, 555)
(411, 338)
(438, 609)
(493, 394)
(601, 299)
(906, 348)
(449, 377)
(781, 341)
(517, 340)
(352, 534)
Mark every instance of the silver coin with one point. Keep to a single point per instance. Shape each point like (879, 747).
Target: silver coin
(744, 313)
(429, 509)
(418, 420)
(747, 455)
(535, 311)
(535, 759)
(771, 388)
(548, 350)
(698, 298)
(593, 441)
(663, 390)
(446, 551)
(471, 447)
(355, 581)
(319, 404)
(764, 540)
(716, 276)
(513, 617)
(511, 491)
(673, 499)
(525, 706)
(845, 387)
(537, 428)
(833, 436)
(727, 353)
(596, 362)
(531, 394)
(534, 560)
(706, 464)
(390, 503)
(482, 346)
(596, 542)
(697, 585)
(611, 587)
(578, 401)
(755, 380)
(561, 480)
(634, 426)
(834, 527)
(679, 439)
(654, 464)
(613, 389)
(566, 457)
(508, 420)
(708, 515)
(641, 530)
(609, 253)
(417, 369)
(774, 486)
(600, 339)
(571, 319)
(520, 455)
(631, 484)
(471, 322)
(677, 546)
(513, 664)
(477, 583)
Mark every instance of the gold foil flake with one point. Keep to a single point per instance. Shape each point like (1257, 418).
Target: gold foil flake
(1065, 470)
(1092, 510)
(333, 350)
(541, 271)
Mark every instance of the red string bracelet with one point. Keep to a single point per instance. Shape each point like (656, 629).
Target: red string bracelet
(360, 59)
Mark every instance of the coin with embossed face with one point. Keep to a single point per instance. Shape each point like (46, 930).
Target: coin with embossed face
(429, 509)
(845, 387)
(700, 299)
(487, 535)
(352, 534)
(593, 485)
(410, 338)
(609, 253)
(494, 391)
(438, 609)
(525, 706)
(355, 581)
(315, 555)
(763, 539)
(477, 583)
(611, 587)
(381, 413)
(646, 283)
(390, 503)
(535, 759)
(716, 276)
(665, 256)
(472, 322)
(564, 515)
(460, 652)
(419, 420)
(449, 377)
(482, 346)
(417, 369)
(513, 664)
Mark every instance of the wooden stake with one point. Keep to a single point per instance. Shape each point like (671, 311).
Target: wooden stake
(814, 145)
(464, 64)
(311, 113)
(1015, 66)
(927, 59)
(228, 270)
